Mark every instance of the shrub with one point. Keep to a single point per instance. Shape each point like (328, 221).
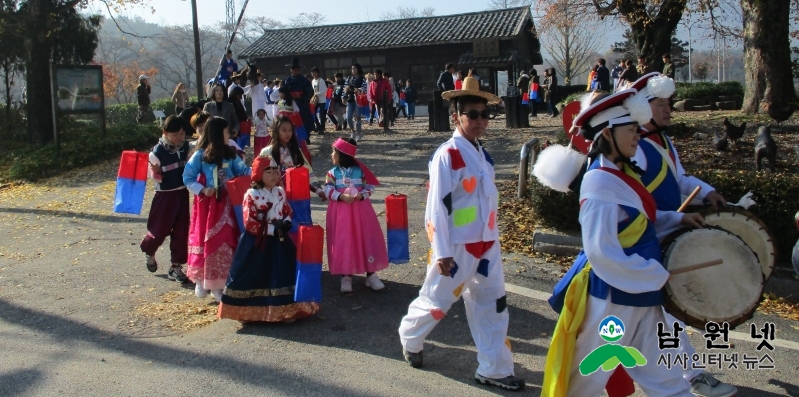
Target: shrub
(706, 90)
(555, 209)
(81, 146)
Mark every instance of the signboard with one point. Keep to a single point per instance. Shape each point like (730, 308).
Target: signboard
(78, 89)
(484, 48)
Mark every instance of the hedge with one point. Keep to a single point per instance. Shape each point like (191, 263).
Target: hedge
(708, 90)
(125, 113)
(775, 195)
(81, 146)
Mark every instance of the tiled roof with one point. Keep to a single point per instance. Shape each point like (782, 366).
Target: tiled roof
(445, 29)
(504, 58)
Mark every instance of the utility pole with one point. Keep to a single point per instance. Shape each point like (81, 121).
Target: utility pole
(198, 65)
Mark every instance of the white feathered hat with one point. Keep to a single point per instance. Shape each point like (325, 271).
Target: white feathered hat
(654, 85)
(557, 166)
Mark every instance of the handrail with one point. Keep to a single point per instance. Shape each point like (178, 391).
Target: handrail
(527, 157)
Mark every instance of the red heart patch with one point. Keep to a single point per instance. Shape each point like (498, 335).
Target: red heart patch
(437, 314)
(469, 184)
(492, 220)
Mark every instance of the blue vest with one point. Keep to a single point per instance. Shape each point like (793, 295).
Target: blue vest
(658, 178)
(172, 165)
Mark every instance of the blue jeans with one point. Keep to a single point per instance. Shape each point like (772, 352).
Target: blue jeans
(411, 109)
(354, 110)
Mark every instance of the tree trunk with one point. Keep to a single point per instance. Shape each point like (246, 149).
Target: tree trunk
(7, 83)
(652, 33)
(39, 109)
(653, 41)
(767, 55)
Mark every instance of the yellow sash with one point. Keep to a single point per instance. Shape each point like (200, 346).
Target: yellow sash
(561, 349)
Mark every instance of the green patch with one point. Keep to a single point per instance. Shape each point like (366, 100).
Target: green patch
(464, 216)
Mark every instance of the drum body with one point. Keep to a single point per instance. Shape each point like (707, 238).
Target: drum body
(729, 292)
(750, 229)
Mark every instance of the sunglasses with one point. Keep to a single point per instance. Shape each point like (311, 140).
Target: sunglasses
(473, 114)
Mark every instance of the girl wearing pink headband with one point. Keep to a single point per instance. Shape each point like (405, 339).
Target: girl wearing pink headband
(355, 242)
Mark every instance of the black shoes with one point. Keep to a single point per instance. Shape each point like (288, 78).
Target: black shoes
(176, 274)
(414, 359)
(510, 382)
(152, 265)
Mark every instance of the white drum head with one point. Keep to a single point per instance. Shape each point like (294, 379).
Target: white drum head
(728, 292)
(751, 230)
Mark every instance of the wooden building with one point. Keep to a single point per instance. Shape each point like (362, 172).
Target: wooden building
(498, 44)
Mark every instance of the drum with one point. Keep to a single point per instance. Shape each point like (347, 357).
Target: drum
(727, 292)
(750, 229)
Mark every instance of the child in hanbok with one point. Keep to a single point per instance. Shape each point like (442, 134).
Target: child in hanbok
(262, 137)
(355, 242)
(287, 107)
(263, 276)
(214, 231)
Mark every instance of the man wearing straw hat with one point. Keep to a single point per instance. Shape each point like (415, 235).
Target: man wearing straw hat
(465, 260)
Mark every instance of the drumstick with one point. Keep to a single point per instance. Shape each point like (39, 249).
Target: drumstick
(689, 199)
(698, 266)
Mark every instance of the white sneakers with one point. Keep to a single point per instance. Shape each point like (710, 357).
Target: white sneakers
(374, 282)
(346, 284)
(708, 386)
(217, 293)
(200, 291)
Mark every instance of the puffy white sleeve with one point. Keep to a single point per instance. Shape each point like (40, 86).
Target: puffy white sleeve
(667, 223)
(629, 273)
(437, 214)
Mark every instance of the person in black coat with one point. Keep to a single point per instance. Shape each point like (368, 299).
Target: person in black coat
(445, 81)
(602, 76)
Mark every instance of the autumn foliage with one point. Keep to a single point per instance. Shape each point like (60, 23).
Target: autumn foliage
(121, 79)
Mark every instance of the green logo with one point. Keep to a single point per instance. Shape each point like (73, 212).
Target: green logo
(609, 356)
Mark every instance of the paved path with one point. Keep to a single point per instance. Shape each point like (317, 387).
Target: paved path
(72, 280)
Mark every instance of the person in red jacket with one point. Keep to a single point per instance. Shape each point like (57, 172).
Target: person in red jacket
(376, 90)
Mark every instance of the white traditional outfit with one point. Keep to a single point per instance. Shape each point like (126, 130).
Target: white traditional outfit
(619, 273)
(258, 98)
(461, 224)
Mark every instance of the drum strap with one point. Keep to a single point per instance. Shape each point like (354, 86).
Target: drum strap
(646, 198)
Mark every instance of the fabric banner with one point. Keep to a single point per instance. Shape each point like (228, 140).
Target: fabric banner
(310, 245)
(131, 182)
(237, 189)
(397, 239)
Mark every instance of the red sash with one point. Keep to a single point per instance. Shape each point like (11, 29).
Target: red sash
(646, 198)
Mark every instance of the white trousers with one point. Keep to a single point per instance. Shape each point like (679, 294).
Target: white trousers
(271, 110)
(685, 346)
(480, 279)
(640, 332)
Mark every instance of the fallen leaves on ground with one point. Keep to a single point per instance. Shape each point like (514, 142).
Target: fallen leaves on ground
(517, 223)
(179, 310)
(782, 307)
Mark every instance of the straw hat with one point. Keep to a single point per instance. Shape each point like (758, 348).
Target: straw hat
(471, 87)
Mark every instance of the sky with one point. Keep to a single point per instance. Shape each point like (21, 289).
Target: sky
(178, 12)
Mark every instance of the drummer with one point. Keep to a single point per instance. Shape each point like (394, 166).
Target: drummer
(665, 177)
(625, 275)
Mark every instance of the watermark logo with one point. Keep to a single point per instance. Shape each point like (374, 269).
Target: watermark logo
(611, 355)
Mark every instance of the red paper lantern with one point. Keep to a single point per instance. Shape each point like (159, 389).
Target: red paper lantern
(133, 165)
(397, 211)
(298, 184)
(311, 244)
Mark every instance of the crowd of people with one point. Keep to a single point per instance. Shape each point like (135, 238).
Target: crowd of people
(251, 269)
